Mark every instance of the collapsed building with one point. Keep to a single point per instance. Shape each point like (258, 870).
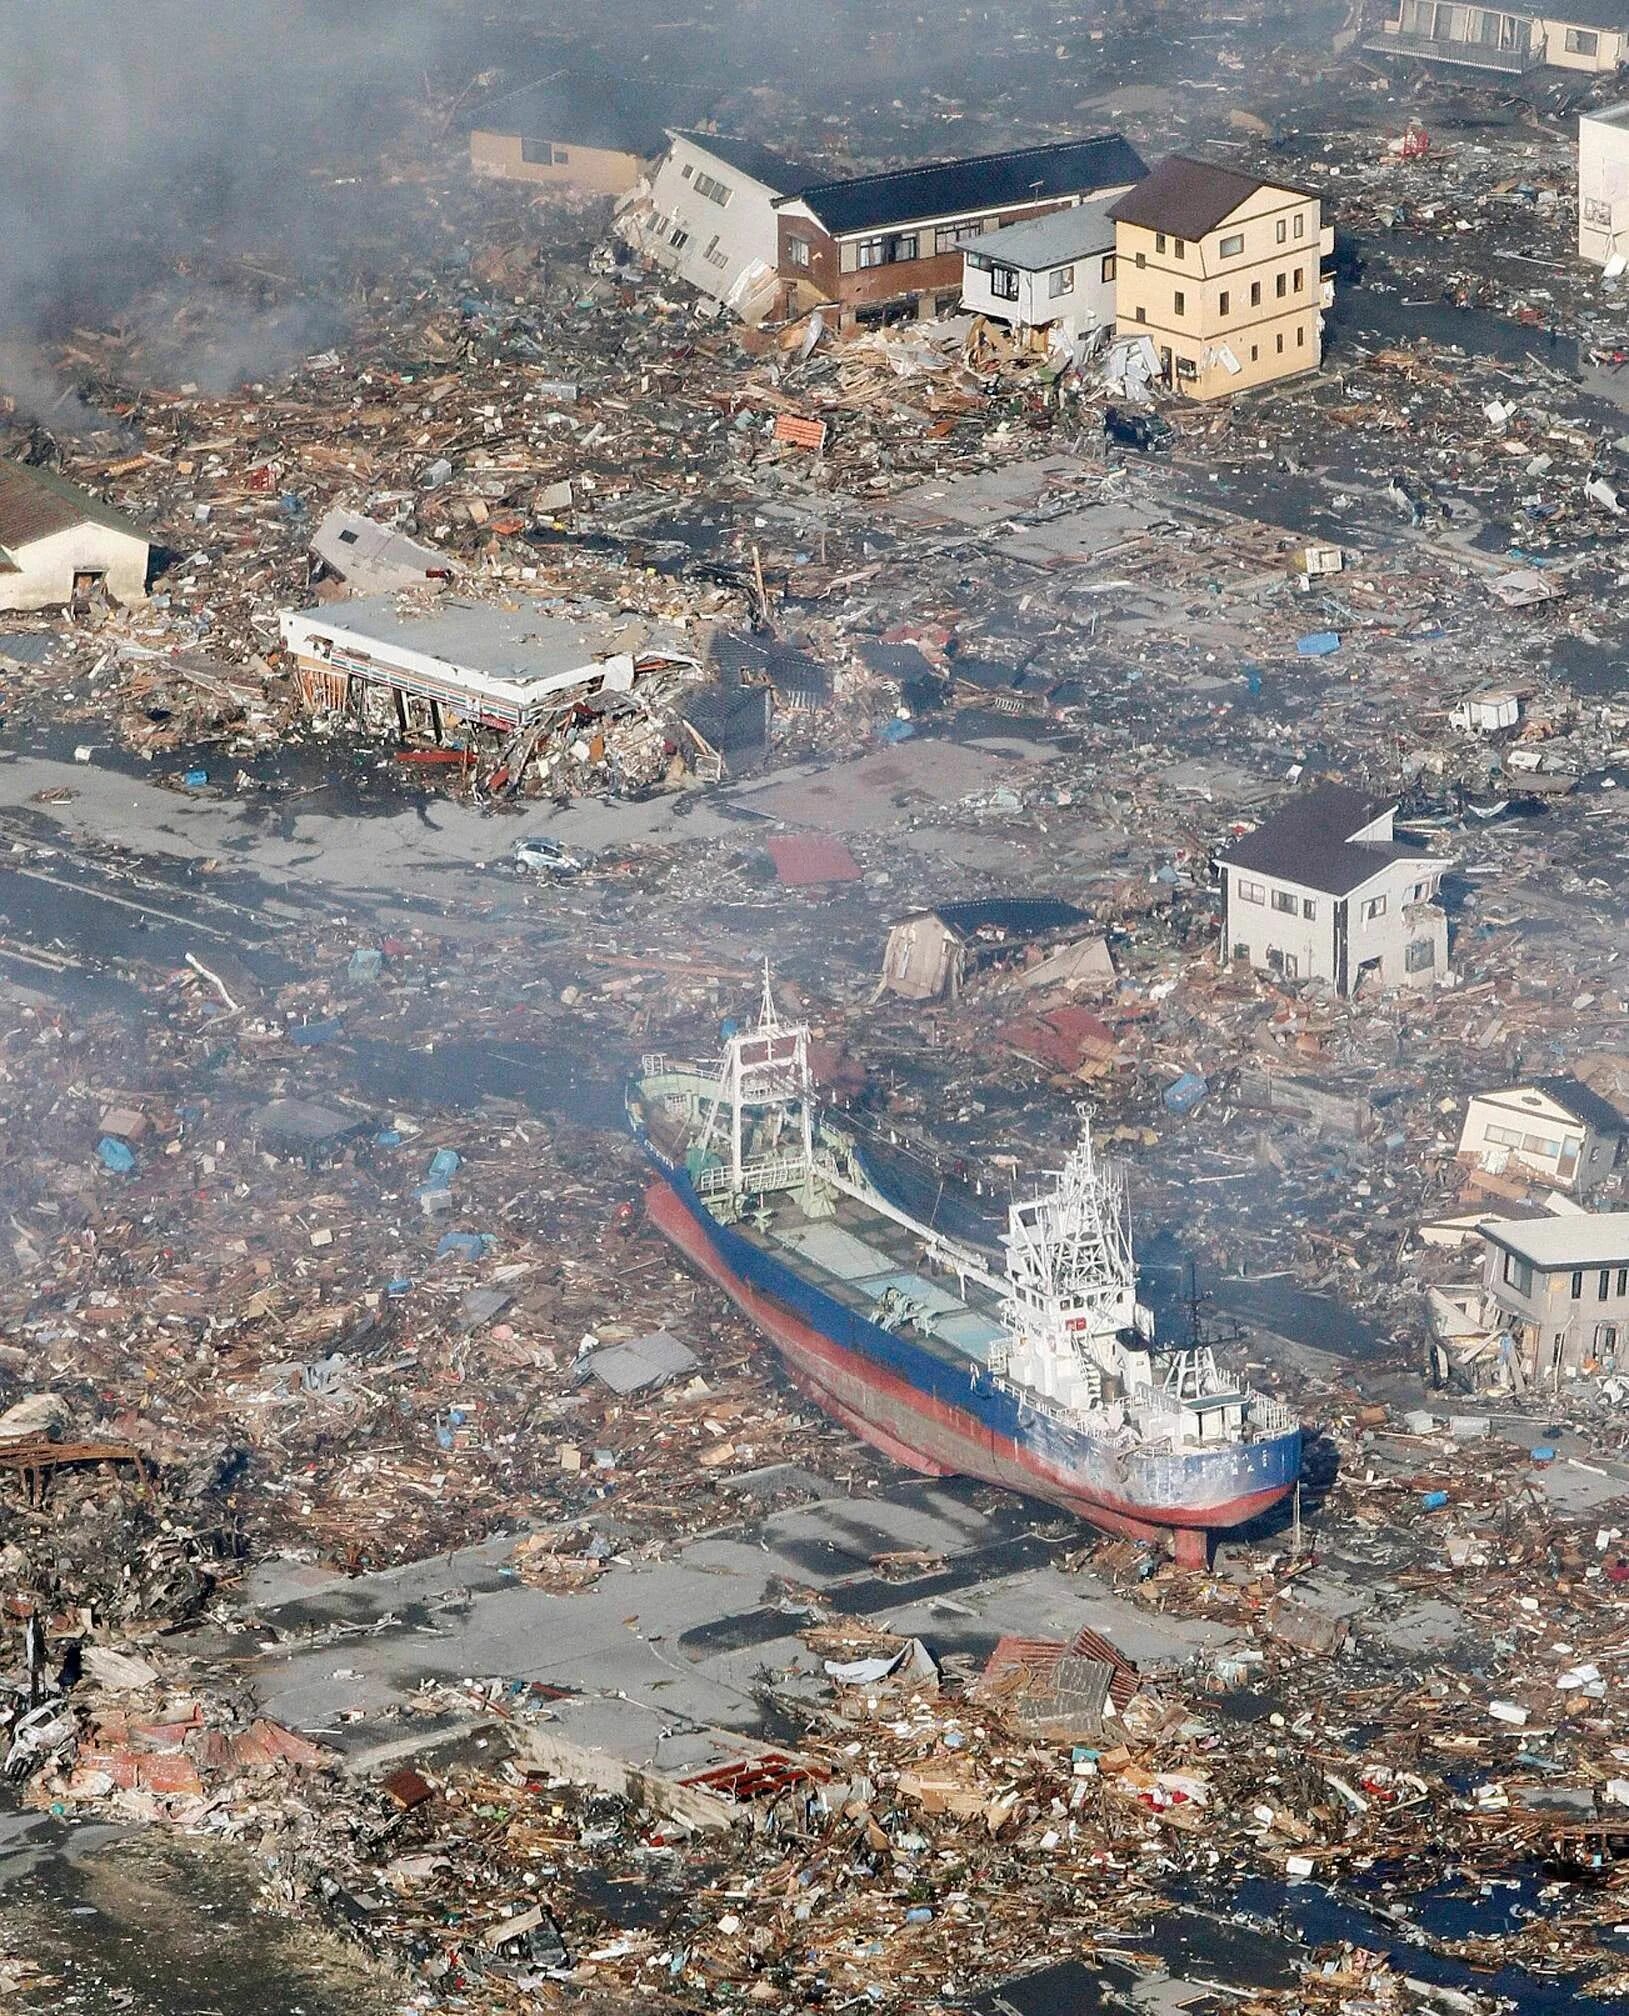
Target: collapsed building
(63, 549)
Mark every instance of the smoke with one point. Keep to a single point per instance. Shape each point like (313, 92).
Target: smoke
(176, 170)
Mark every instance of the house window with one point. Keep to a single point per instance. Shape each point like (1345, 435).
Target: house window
(1578, 1284)
(1159, 241)
(347, 537)
(1519, 1273)
(1108, 269)
(1223, 303)
(1281, 346)
(1597, 212)
(1295, 279)
(1242, 952)
(1255, 293)
(1179, 247)
(1283, 900)
(1281, 286)
(1606, 1338)
(1186, 368)
(680, 238)
(1420, 957)
(1252, 892)
(714, 190)
(1179, 302)
(1232, 246)
(888, 251)
(1061, 280)
(1142, 314)
(1292, 966)
(1582, 42)
(537, 153)
(1281, 230)
(687, 171)
(1374, 906)
(1300, 339)
(561, 157)
(1255, 352)
(1004, 282)
(1623, 1281)
(949, 237)
(1604, 1285)
(1309, 909)
(1300, 224)
(1142, 261)
(797, 250)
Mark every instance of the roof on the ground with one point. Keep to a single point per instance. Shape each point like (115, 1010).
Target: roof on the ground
(748, 157)
(582, 112)
(1020, 916)
(1188, 197)
(1580, 1239)
(1051, 240)
(35, 503)
(1583, 13)
(1307, 841)
(1572, 1096)
(980, 182)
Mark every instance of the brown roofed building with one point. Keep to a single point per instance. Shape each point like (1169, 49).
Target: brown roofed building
(60, 547)
(1223, 273)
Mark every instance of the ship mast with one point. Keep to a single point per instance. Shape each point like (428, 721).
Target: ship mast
(766, 1069)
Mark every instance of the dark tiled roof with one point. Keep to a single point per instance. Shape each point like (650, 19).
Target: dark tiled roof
(982, 182)
(1022, 916)
(34, 503)
(1189, 197)
(1307, 841)
(763, 164)
(1583, 13)
(580, 112)
(1579, 1100)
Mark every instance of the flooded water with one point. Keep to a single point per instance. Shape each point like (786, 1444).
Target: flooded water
(145, 1924)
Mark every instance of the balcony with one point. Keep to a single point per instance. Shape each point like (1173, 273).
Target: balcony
(1439, 49)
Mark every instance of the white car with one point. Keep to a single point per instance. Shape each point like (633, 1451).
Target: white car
(546, 857)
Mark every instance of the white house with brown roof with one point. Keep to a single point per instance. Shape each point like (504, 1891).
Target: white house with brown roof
(60, 548)
(1321, 890)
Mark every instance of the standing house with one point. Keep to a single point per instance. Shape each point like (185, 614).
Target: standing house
(1321, 891)
(1223, 272)
(1603, 186)
(1554, 1129)
(886, 246)
(1051, 278)
(565, 135)
(1591, 36)
(60, 548)
(708, 217)
(1559, 1287)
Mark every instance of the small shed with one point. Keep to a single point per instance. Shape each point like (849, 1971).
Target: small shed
(62, 548)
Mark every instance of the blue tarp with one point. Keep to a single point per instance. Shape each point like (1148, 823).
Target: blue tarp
(1318, 643)
(1185, 1094)
(116, 1155)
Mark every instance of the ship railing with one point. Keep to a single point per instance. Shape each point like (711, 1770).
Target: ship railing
(1269, 1416)
(767, 1172)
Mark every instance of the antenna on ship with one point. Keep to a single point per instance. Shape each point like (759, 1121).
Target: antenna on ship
(767, 1018)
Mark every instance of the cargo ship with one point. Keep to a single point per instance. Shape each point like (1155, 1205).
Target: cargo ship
(1034, 1367)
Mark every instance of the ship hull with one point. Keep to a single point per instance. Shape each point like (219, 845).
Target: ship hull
(955, 1419)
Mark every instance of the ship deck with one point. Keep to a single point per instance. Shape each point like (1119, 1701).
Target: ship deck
(857, 1255)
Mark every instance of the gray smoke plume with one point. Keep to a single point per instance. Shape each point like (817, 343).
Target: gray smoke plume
(176, 169)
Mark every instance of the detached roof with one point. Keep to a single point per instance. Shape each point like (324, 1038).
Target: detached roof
(34, 503)
(1308, 841)
(1582, 13)
(1188, 197)
(763, 164)
(1580, 1239)
(981, 182)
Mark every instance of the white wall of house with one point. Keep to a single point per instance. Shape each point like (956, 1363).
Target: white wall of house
(1603, 183)
(1290, 930)
(710, 224)
(1524, 1128)
(1072, 297)
(46, 567)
